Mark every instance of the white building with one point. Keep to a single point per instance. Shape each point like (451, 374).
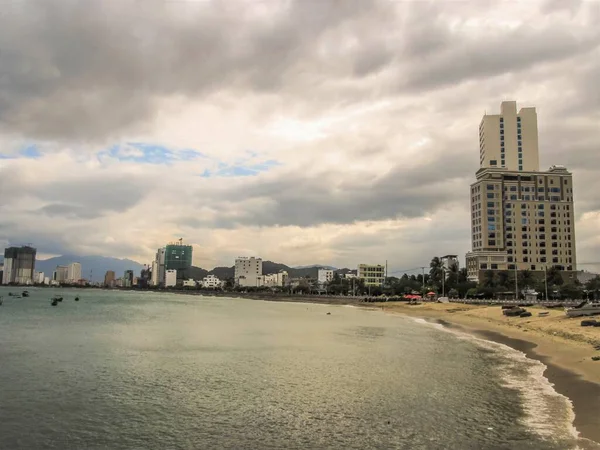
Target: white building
(248, 271)
(274, 279)
(211, 282)
(170, 278)
(39, 277)
(158, 268)
(73, 272)
(47, 281)
(350, 275)
(189, 282)
(325, 276)
(60, 274)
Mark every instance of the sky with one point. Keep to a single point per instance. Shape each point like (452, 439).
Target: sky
(300, 131)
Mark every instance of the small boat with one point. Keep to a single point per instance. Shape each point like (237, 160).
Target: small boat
(10, 294)
(57, 298)
(25, 294)
(543, 313)
(54, 302)
(584, 309)
(76, 299)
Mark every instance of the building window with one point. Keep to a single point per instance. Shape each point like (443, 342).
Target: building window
(520, 167)
(491, 242)
(490, 187)
(483, 266)
(490, 195)
(493, 162)
(494, 266)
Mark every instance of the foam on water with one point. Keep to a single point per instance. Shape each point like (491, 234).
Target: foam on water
(547, 413)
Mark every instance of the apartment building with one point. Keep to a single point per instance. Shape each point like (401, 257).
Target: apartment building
(19, 265)
(324, 276)
(374, 275)
(248, 271)
(521, 218)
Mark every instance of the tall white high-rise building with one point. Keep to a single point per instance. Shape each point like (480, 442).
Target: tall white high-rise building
(74, 272)
(248, 271)
(521, 218)
(158, 268)
(509, 140)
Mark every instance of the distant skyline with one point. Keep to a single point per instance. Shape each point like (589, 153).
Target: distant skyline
(305, 132)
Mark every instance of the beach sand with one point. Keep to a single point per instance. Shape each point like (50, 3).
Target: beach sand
(559, 342)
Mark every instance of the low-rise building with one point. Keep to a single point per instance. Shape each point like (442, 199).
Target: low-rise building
(170, 278)
(190, 282)
(275, 279)
(584, 276)
(325, 276)
(373, 274)
(39, 277)
(211, 282)
(350, 275)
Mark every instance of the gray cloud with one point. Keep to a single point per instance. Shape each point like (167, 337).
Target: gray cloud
(94, 70)
(98, 71)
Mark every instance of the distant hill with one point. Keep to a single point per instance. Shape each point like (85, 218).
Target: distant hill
(318, 266)
(98, 265)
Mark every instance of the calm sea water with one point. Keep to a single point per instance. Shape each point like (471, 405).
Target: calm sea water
(121, 370)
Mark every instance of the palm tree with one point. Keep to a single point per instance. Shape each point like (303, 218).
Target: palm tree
(525, 278)
(436, 271)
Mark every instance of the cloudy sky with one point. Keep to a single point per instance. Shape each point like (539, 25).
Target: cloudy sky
(306, 131)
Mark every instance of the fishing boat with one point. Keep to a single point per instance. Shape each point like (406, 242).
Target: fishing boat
(25, 294)
(584, 309)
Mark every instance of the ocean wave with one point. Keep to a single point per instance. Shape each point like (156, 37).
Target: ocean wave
(547, 413)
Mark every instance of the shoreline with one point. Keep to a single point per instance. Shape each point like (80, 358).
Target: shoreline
(568, 361)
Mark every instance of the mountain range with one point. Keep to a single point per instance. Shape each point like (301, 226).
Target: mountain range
(98, 265)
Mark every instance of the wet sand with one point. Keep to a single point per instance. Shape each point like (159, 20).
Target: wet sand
(566, 354)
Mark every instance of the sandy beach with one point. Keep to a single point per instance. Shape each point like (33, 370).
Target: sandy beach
(559, 342)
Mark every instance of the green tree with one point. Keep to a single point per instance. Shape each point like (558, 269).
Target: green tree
(553, 277)
(436, 271)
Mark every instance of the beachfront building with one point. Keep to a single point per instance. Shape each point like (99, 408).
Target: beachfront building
(170, 278)
(248, 271)
(109, 278)
(324, 276)
(178, 257)
(74, 272)
(190, 283)
(60, 274)
(128, 278)
(19, 265)
(374, 275)
(39, 277)
(275, 279)
(521, 218)
(211, 282)
(158, 268)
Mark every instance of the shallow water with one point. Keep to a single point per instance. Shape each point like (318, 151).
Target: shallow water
(122, 370)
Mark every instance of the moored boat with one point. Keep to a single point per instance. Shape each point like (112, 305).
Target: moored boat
(584, 309)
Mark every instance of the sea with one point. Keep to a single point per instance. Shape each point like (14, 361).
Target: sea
(140, 370)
